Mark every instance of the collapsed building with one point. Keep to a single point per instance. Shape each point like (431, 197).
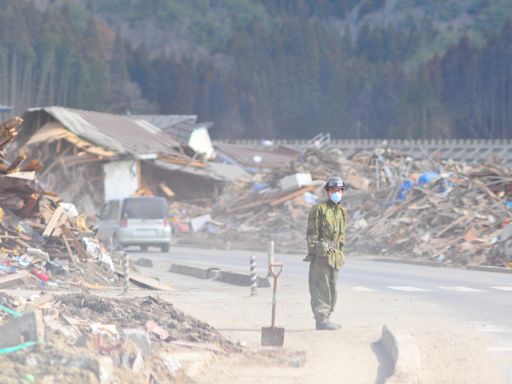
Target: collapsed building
(90, 157)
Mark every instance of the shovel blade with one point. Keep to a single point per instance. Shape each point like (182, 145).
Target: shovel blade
(272, 336)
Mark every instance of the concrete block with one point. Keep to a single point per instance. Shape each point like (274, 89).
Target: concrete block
(242, 279)
(29, 327)
(213, 273)
(143, 262)
(140, 338)
(296, 180)
(234, 278)
(190, 270)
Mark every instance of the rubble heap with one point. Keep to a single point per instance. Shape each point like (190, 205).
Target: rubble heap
(453, 218)
(44, 241)
(99, 340)
(428, 209)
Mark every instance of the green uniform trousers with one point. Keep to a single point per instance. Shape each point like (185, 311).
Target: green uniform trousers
(322, 286)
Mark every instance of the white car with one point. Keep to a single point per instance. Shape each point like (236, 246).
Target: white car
(141, 221)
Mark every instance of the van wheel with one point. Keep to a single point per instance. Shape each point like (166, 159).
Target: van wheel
(144, 248)
(165, 248)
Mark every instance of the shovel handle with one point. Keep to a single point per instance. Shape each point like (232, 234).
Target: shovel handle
(275, 269)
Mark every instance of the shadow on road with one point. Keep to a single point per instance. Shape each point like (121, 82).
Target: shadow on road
(385, 362)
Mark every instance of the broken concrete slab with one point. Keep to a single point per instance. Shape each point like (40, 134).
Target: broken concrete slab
(140, 338)
(28, 327)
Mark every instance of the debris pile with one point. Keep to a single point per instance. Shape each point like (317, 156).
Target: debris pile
(451, 216)
(246, 217)
(427, 209)
(87, 339)
(44, 241)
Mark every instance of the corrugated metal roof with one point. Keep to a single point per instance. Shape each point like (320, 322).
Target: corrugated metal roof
(183, 131)
(166, 121)
(180, 127)
(122, 134)
(245, 155)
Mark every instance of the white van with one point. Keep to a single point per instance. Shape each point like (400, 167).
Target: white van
(141, 221)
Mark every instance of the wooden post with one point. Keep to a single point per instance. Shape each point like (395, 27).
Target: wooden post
(270, 256)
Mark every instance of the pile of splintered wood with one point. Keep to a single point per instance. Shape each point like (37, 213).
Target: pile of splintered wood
(41, 241)
(455, 218)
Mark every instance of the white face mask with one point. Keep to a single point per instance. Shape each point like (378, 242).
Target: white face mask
(336, 197)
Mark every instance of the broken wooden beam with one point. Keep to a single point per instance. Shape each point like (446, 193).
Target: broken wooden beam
(82, 254)
(293, 195)
(52, 224)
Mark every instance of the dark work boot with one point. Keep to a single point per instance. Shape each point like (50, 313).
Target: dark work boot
(326, 325)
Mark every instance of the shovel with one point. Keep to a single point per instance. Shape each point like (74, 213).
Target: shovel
(273, 336)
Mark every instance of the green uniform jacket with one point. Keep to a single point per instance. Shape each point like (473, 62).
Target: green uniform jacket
(326, 233)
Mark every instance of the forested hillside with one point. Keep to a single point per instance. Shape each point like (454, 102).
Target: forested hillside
(270, 68)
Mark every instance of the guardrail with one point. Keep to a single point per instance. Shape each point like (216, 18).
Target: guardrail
(469, 150)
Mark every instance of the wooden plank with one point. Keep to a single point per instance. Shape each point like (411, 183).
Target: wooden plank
(76, 244)
(168, 191)
(460, 220)
(13, 278)
(16, 163)
(293, 195)
(70, 252)
(53, 222)
(485, 189)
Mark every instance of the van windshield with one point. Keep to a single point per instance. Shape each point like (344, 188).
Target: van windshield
(145, 208)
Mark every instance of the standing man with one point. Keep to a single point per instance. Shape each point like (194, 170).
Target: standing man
(326, 237)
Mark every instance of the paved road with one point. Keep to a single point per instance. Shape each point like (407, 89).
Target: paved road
(482, 299)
